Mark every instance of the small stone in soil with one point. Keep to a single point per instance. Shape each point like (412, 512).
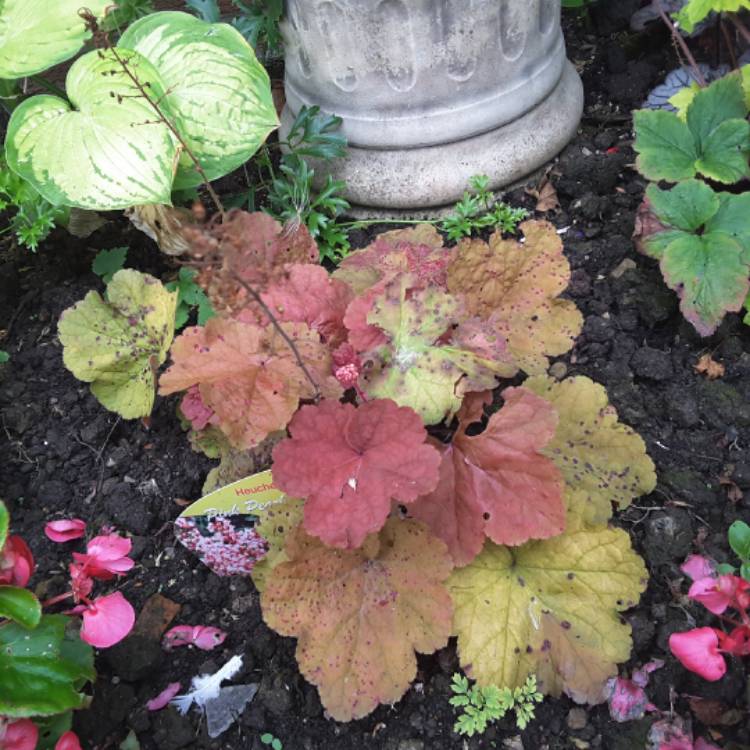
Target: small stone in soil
(577, 719)
(652, 364)
(669, 536)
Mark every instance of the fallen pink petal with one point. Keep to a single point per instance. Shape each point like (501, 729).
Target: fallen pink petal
(627, 701)
(203, 637)
(21, 734)
(107, 620)
(166, 695)
(697, 567)
(65, 530)
(641, 676)
(68, 741)
(698, 651)
(715, 594)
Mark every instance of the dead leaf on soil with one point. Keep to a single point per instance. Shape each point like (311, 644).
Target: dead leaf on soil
(734, 493)
(714, 713)
(709, 367)
(157, 613)
(546, 196)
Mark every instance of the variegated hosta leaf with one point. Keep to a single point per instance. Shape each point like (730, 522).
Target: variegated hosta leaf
(118, 343)
(215, 83)
(37, 34)
(549, 608)
(103, 150)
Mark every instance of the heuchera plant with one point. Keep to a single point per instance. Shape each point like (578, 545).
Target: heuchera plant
(427, 507)
(46, 659)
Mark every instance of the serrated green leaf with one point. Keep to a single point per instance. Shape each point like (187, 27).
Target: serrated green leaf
(20, 605)
(117, 344)
(4, 524)
(37, 34)
(37, 675)
(214, 82)
(739, 539)
(101, 150)
(687, 206)
(696, 11)
(108, 262)
(666, 148)
(725, 152)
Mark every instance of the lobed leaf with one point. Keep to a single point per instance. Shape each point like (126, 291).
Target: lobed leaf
(696, 11)
(248, 374)
(548, 608)
(601, 460)
(350, 463)
(359, 615)
(498, 483)
(516, 287)
(118, 343)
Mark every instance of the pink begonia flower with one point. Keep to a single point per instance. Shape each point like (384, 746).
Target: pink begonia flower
(107, 620)
(698, 651)
(203, 637)
(697, 567)
(68, 741)
(715, 594)
(166, 695)
(16, 562)
(65, 530)
(194, 409)
(18, 735)
(106, 556)
(80, 582)
(701, 744)
(627, 699)
(737, 642)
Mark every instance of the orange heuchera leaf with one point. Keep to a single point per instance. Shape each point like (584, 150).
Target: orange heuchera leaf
(516, 287)
(248, 375)
(361, 614)
(498, 483)
(349, 463)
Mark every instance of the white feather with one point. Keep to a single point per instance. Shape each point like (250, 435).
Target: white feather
(205, 687)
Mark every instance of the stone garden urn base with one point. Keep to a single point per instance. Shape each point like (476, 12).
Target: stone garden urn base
(432, 92)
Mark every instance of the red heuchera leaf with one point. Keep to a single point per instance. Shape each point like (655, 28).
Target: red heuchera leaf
(107, 620)
(307, 294)
(68, 741)
(248, 375)
(65, 530)
(18, 735)
(195, 411)
(497, 483)
(203, 637)
(349, 463)
(16, 562)
(361, 614)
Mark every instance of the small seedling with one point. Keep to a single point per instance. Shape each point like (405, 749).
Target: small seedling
(189, 296)
(739, 541)
(483, 705)
(108, 262)
(479, 210)
(269, 739)
(4, 357)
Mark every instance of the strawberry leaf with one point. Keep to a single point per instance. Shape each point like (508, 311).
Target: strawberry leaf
(602, 460)
(515, 286)
(248, 374)
(549, 608)
(349, 463)
(498, 483)
(361, 614)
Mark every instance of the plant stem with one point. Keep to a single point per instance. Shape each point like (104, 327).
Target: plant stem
(729, 42)
(734, 18)
(682, 43)
(284, 335)
(49, 86)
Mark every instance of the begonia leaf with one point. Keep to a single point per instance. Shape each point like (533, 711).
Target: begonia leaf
(360, 615)
(550, 608)
(307, 294)
(277, 522)
(516, 285)
(117, 343)
(703, 249)
(424, 365)
(248, 374)
(349, 463)
(602, 460)
(498, 483)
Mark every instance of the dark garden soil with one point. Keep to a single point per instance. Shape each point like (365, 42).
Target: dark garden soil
(64, 455)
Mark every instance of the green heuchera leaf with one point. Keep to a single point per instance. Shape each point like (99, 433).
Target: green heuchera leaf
(549, 608)
(117, 344)
(696, 10)
(37, 34)
(101, 151)
(215, 83)
(4, 524)
(705, 252)
(42, 670)
(713, 141)
(20, 605)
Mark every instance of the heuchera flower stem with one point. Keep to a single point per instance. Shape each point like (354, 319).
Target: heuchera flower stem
(683, 44)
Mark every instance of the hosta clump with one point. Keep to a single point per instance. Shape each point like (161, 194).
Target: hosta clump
(699, 235)
(417, 508)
